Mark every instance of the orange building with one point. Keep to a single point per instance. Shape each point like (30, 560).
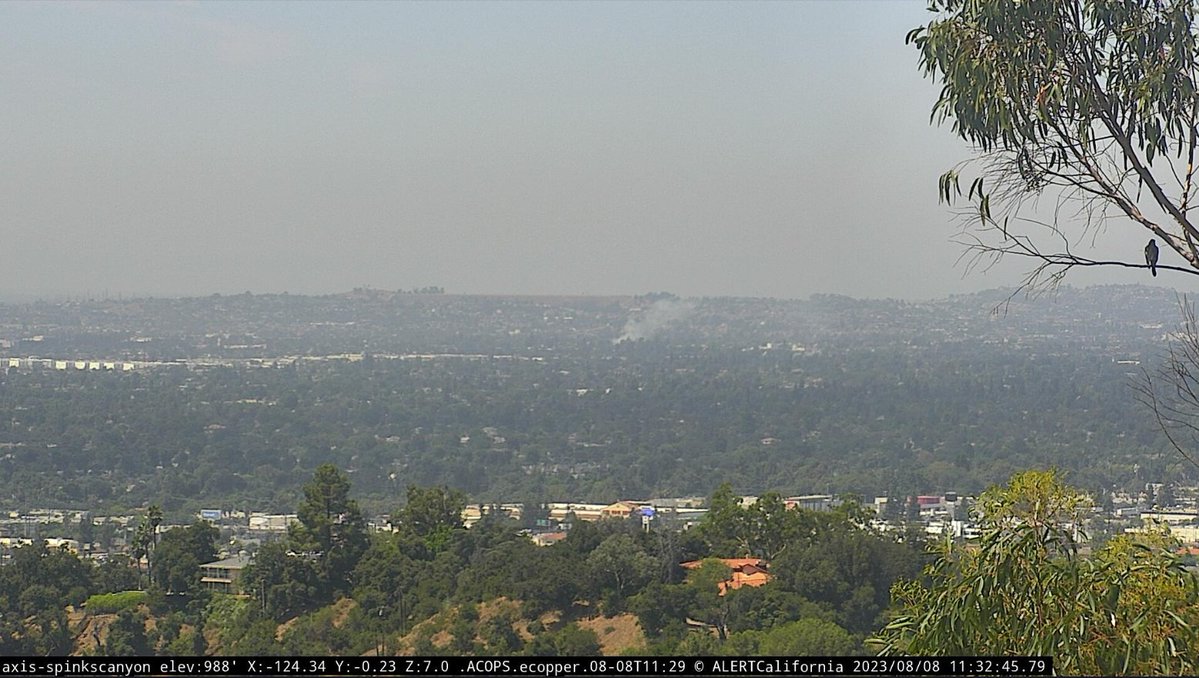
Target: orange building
(745, 572)
(621, 509)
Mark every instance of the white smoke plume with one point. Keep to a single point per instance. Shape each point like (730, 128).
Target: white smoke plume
(654, 319)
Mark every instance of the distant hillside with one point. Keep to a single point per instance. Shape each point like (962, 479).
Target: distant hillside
(386, 322)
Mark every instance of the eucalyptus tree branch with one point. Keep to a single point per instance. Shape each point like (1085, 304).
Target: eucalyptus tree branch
(1076, 97)
(1177, 409)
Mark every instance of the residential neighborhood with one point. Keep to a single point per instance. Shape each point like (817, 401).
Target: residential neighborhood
(938, 516)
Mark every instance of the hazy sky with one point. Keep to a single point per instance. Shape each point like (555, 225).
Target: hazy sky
(776, 149)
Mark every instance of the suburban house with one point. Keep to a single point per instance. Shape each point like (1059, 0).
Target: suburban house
(745, 572)
(811, 502)
(222, 575)
(560, 511)
(547, 538)
(621, 509)
(473, 513)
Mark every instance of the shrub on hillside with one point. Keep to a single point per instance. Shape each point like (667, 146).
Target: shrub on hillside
(111, 603)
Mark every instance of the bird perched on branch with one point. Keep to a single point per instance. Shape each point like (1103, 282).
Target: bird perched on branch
(1151, 256)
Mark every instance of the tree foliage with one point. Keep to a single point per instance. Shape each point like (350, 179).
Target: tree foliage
(431, 513)
(111, 603)
(332, 529)
(569, 641)
(807, 637)
(764, 529)
(620, 564)
(146, 539)
(403, 579)
(314, 565)
(38, 578)
(1091, 102)
(383, 577)
(127, 635)
(1130, 608)
(283, 584)
(179, 555)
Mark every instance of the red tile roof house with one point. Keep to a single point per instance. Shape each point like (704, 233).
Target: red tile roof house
(745, 572)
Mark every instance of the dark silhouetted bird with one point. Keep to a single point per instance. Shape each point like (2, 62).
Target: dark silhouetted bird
(1151, 256)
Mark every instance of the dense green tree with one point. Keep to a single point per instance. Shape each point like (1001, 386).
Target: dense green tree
(257, 640)
(431, 593)
(501, 568)
(383, 577)
(116, 574)
(773, 528)
(764, 607)
(282, 582)
(725, 527)
(463, 630)
(189, 643)
(707, 603)
(847, 570)
(808, 637)
(620, 565)
(660, 606)
(764, 529)
(319, 633)
(179, 554)
(331, 528)
(47, 633)
(569, 641)
(87, 529)
(36, 585)
(431, 513)
(553, 581)
(499, 634)
(127, 636)
(146, 539)
(1130, 608)
(38, 578)
(240, 626)
(699, 644)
